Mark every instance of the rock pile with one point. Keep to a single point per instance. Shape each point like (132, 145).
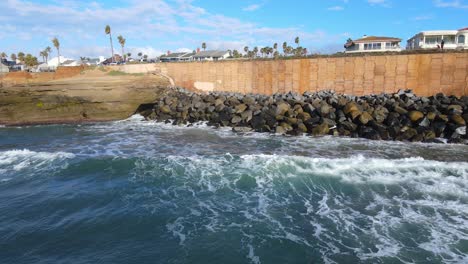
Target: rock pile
(400, 116)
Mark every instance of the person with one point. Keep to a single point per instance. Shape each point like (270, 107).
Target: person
(442, 43)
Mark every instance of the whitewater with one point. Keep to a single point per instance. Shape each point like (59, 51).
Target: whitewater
(133, 191)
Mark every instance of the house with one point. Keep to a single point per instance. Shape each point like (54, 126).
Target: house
(453, 39)
(187, 57)
(117, 59)
(4, 68)
(211, 55)
(175, 57)
(54, 62)
(373, 44)
(44, 67)
(93, 62)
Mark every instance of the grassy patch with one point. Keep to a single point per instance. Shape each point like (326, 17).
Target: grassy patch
(121, 73)
(102, 69)
(138, 74)
(116, 73)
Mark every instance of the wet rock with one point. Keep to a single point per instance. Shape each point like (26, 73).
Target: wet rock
(165, 109)
(282, 108)
(236, 119)
(400, 110)
(395, 116)
(321, 130)
(457, 119)
(242, 129)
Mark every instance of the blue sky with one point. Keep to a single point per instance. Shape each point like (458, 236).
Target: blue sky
(156, 26)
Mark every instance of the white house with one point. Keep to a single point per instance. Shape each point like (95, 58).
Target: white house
(373, 44)
(211, 55)
(453, 39)
(176, 57)
(4, 68)
(54, 61)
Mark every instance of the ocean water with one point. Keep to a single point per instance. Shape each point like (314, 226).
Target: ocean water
(143, 192)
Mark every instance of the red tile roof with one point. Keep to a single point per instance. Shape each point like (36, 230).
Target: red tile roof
(374, 39)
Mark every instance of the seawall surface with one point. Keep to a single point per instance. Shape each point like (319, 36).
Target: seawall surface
(425, 74)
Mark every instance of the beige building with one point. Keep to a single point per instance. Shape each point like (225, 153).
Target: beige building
(373, 44)
(453, 39)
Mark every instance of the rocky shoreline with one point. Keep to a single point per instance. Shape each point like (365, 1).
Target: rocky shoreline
(402, 116)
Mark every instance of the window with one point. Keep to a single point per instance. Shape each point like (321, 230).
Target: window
(372, 46)
(449, 39)
(388, 45)
(461, 39)
(433, 39)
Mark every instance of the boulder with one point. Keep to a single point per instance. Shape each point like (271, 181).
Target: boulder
(165, 109)
(247, 115)
(321, 130)
(240, 108)
(242, 129)
(365, 118)
(400, 110)
(415, 116)
(236, 119)
(350, 107)
(282, 108)
(458, 119)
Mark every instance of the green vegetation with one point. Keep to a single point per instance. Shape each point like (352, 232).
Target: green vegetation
(30, 60)
(121, 73)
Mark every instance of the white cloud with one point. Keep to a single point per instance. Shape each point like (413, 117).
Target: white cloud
(336, 8)
(384, 3)
(452, 4)
(423, 17)
(251, 8)
(161, 25)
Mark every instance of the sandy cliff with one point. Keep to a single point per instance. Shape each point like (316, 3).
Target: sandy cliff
(75, 96)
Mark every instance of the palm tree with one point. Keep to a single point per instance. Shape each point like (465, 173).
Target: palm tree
(129, 55)
(275, 46)
(108, 32)
(122, 41)
(42, 54)
(48, 50)
(203, 45)
(255, 51)
(140, 54)
(13, 57)
(3, 55)
(246, 50)
(297, 41)
(56, 43)
(145, 57)
(21, 56)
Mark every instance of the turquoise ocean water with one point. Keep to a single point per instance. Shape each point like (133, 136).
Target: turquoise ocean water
(142, 192)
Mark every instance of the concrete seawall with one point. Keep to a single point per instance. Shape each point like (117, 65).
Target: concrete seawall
(425, 74)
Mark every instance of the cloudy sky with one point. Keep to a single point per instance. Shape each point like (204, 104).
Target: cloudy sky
(156, 26)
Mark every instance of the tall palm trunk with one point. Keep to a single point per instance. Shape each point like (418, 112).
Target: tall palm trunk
(112, 46)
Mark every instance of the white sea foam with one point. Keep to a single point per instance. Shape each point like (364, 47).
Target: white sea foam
(440, 186)
(18, 160)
